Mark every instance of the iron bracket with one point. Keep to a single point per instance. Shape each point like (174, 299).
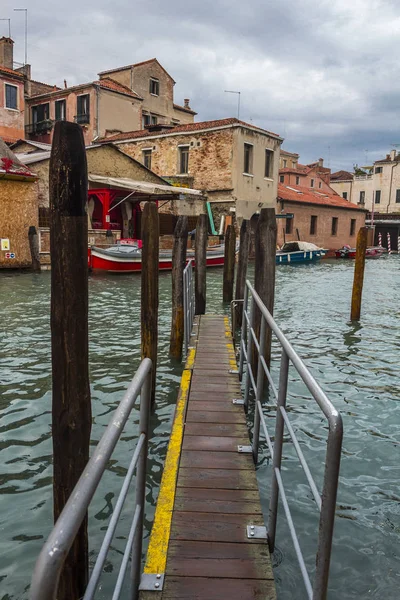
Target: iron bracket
(238, 401)
(257, 532)
(151, 582)
(245, 450)
(233, 372)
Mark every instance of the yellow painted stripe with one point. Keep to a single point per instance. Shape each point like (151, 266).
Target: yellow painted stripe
(158, 546)
(229, 345)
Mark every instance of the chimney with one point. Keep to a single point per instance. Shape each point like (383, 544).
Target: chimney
(65, 84)
(186, 103)
(6, 52)
(320, 162)
(393, 154)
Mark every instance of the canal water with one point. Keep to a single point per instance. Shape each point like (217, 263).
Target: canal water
(356, 364)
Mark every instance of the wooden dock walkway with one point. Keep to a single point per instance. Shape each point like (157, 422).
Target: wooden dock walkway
(209, 493)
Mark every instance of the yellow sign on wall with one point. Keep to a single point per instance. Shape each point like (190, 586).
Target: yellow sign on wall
(5, 244)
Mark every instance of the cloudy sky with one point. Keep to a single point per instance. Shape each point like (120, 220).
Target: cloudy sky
(324, 74)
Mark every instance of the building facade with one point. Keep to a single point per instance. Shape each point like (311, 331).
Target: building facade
(313, 176)
(236, 163)
(288, 160)
(12, 95)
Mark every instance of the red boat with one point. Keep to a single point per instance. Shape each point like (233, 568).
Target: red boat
(127, 258)
(348, 252)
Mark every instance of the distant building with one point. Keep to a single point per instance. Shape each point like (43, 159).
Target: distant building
(314, 176)
(12, 101)
(288, 159)
(236, 163)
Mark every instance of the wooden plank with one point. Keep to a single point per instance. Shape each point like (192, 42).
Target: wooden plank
(237, 561)
(216, 460)
(239, 479)
(217, 429)
(201, 588)
(216, 501)
(197, 416)
(205, 402)
(209, 527)
(208, 442)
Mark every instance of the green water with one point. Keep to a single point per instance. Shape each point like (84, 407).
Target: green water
(355, 364)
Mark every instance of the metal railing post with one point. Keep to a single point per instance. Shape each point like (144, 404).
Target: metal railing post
(278, 443)
(249, 351)
(185, 309)
(144, 419)
(259, 392)
(243, 332)
(327, 515)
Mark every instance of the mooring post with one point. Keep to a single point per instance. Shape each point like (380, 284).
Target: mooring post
(264, 274)
(229, 263)
(359, 267)
(71, 409)
(178, 266)
(200, 252)
(34, 247)
(149, 300)
(244, 247)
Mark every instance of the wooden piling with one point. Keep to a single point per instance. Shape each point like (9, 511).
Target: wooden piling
(200, 251)
(178, 265)
(149, 300)
(359, 266)
(229, 263)
(71, 409)
(264, 273)
(34, 247)
(244, 248)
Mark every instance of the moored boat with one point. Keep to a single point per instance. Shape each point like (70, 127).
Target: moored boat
(349, 252)
(127, 258)
(299, 252)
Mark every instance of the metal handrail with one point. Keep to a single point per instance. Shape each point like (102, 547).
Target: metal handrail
(251, 346)
(188, 302)
(49, 564)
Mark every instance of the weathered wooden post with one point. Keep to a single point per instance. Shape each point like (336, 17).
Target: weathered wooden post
(229, 263)
(244, 247)
(200, 251)
(264, 269)
(178, 266)
(362, 238)
(72, 415)
(34, 247)
(149, 300)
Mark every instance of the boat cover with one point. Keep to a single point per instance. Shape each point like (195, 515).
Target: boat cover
(299, 247)
(144, 187)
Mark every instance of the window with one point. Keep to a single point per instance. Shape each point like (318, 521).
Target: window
(153, 119)
(154, 87)
(11, 96)
(378, 169)
(320, 184)
(377, 196)
(289, 225)
(313, 225)
(397, 196)
(40, 118)
(344, 195)
(284, 164)
(83, 109)
(147, 158)
(281, 178)
(248, 159)
(60, 110)
(312, 183)
(269, 157)
(297, 180)
(334, 225)
(184, 159)
(145, 120)
(352, 226)
(362, 197)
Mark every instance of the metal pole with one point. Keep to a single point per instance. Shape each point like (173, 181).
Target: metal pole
(327, 516)
(249, 351)
(279, 430)
(259, 392)
(26, 31)
(243, 333)
(145, 402)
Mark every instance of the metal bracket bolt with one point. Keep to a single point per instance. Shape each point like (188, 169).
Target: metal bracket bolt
(233, 372)
(238, 401)
(151, 582)
(245, 449)
(257, 532)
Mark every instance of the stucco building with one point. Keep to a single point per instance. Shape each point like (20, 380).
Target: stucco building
(12, 104)
(288, 159)
(236, 163)
(313, 176)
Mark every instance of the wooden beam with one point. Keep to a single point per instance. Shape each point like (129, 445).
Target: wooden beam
(359, 267)
(244, 248)
(34, 248)
(200, 252)
(178, 266)
(229, 263)
(71, 412)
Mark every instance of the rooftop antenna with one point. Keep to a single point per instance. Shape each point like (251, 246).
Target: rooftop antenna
(26, 31)
(238, 93)
(329, 157)
(9, 26)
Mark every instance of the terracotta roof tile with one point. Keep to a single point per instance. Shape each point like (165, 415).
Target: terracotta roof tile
(11, 72)
(138, 64)
(189, 127)
(114, 86)
(302, 194)
(299, 171)
(341, 176)
(185, 108)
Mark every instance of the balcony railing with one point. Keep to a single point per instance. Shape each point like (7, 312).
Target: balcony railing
(39, 128)
(82, 119)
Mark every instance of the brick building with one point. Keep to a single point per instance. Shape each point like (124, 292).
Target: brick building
(313, 176)
(236, 163)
